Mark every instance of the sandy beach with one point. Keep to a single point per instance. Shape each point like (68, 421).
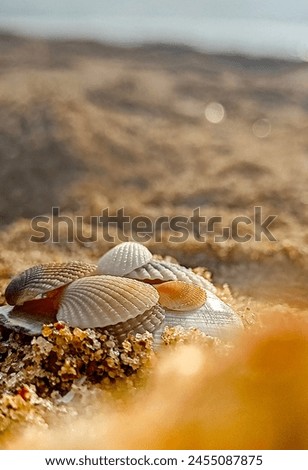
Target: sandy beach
(163, 131)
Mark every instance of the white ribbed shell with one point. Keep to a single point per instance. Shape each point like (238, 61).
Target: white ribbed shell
(99, 301)
(164, 271)
(123, 258)
(215, 318)
(43, 278)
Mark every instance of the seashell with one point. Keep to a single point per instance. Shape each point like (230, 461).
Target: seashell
(96, 301)
(100, 301)
(32, 324)
(149, 321)
(214, 318)
(74, 292)
(16, 320)
(180, 296)
(163, 271)
(40, 279)
(123, 258)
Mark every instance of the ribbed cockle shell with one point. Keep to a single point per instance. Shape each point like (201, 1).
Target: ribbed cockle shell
(123, 258)
(100, 301)
(40, 279)
(180, 296)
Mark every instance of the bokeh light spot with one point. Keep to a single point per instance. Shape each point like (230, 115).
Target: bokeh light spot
(262, 128)
(214, 112)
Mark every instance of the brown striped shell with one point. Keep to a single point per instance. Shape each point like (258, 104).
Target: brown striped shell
(40, 279)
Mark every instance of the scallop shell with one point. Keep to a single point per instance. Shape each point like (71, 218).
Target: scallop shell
(100, 301)
(123, 258)
(147, 321)
(40, 279)
(162, 271)
(180, 296)
(214, 318)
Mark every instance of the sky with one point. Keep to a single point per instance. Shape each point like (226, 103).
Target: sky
(282, 10)
(258, 27)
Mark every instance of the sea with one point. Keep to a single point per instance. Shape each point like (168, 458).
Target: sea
(272, 28)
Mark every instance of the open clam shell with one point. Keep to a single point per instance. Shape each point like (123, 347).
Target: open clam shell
(100, 301)
(214, 318)
(96, 301)
(38, 280)
(123, 258)
(161, 271)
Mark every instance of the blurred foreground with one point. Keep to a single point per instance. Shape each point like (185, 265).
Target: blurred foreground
(197, 397)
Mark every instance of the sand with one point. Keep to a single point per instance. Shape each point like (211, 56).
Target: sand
(86, 126)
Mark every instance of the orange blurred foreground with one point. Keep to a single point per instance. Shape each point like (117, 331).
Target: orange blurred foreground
(253, 397)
